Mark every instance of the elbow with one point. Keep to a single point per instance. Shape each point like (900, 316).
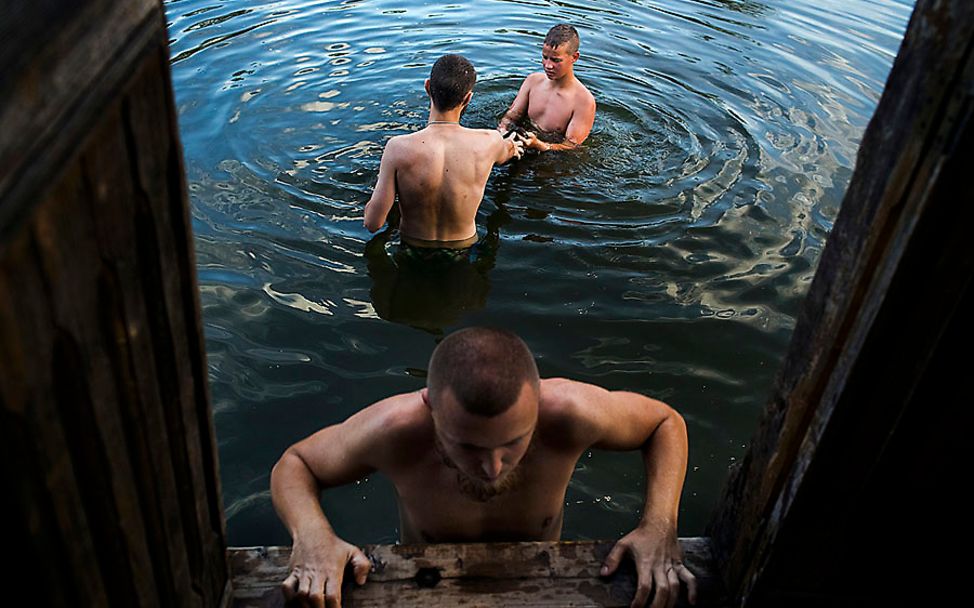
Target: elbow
(371, 224)
(677, 422)
(281, 466)
(289, 464)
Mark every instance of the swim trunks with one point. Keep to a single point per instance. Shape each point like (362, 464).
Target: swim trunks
(431, 255)
(428, 244)
(412, 249)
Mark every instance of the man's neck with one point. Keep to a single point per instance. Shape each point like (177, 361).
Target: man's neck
(565, 82)
(450, 116)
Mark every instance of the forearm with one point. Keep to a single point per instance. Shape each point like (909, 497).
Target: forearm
(665, 457)
(295, 494)
(549, 147)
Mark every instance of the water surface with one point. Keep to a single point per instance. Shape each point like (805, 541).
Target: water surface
(668, 256)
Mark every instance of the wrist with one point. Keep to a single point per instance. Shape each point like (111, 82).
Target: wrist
(312, 530)
(658, 523)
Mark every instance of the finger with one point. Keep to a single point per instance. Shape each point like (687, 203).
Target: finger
(290, 586)
(673, 581)
(612, 559)
(333, 592)
(662, 598)
(304, 587)
(642, 594)
(691, 581)
(361, 566)
(316, 598)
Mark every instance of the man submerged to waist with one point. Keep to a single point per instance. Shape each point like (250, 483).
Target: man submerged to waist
(560, 109)
(439, 173)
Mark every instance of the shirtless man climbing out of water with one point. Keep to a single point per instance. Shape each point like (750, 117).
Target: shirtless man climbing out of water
(440, 172)
(557, 104)
(484, 453)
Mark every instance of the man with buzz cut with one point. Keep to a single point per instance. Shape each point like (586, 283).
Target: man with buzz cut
(439, 173)
(484, 453)
(558, 106)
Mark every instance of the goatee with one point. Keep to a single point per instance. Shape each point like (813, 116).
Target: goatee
(479, 489)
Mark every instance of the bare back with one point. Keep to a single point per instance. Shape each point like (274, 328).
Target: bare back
(439, 175)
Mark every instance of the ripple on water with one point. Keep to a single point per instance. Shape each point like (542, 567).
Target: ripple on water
(669, 255)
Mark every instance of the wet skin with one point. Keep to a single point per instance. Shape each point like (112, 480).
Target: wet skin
(462, 477)
(555, 102)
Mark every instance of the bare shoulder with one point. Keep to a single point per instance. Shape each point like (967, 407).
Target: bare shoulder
(565, 410)
(483, 142)
(396, 147)
(534, 79)
(396, 419)
(584, 97)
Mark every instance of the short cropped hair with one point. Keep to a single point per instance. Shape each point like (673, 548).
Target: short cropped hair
(484, 368)
(451, 78)
(563, 34)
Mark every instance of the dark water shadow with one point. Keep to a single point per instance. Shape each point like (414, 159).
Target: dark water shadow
(431, 292)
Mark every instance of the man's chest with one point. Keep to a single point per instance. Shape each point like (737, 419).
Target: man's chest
(443, 505)
(550, 109)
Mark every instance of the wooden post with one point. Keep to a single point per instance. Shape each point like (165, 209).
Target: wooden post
(108, 455)
(838, 499)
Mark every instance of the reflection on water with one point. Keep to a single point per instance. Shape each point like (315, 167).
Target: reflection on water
(431, 288)
(669, 255)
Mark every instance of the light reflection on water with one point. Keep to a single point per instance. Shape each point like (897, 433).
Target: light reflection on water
(668, 256)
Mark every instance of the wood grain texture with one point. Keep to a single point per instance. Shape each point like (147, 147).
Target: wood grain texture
(888, 286)
(475, 574)
(107, 433)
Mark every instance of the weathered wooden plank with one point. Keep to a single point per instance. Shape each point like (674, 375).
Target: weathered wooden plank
(59, 93)
(121, 288)
(44, 83)
(889, 280)
(53, 503)
(86, 393)
(108, 398)
(160, 207)
(26, 496)
(476, 574)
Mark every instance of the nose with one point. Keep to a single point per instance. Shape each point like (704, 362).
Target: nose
(492, 465)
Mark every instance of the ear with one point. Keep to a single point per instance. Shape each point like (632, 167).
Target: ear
(467, 98)
(426, 86)
(575, 56)
(425, 394)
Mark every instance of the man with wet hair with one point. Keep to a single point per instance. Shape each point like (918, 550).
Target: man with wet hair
(484, 453)
(439, 173)
(558, 106)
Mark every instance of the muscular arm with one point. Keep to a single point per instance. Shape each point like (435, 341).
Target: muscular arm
(620, 420)
(384, 193)
(518, 107)
(333, 456)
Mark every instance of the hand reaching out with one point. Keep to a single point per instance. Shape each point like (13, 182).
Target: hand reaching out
(517, 145)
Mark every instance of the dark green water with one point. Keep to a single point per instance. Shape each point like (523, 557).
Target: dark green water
(669, 256)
